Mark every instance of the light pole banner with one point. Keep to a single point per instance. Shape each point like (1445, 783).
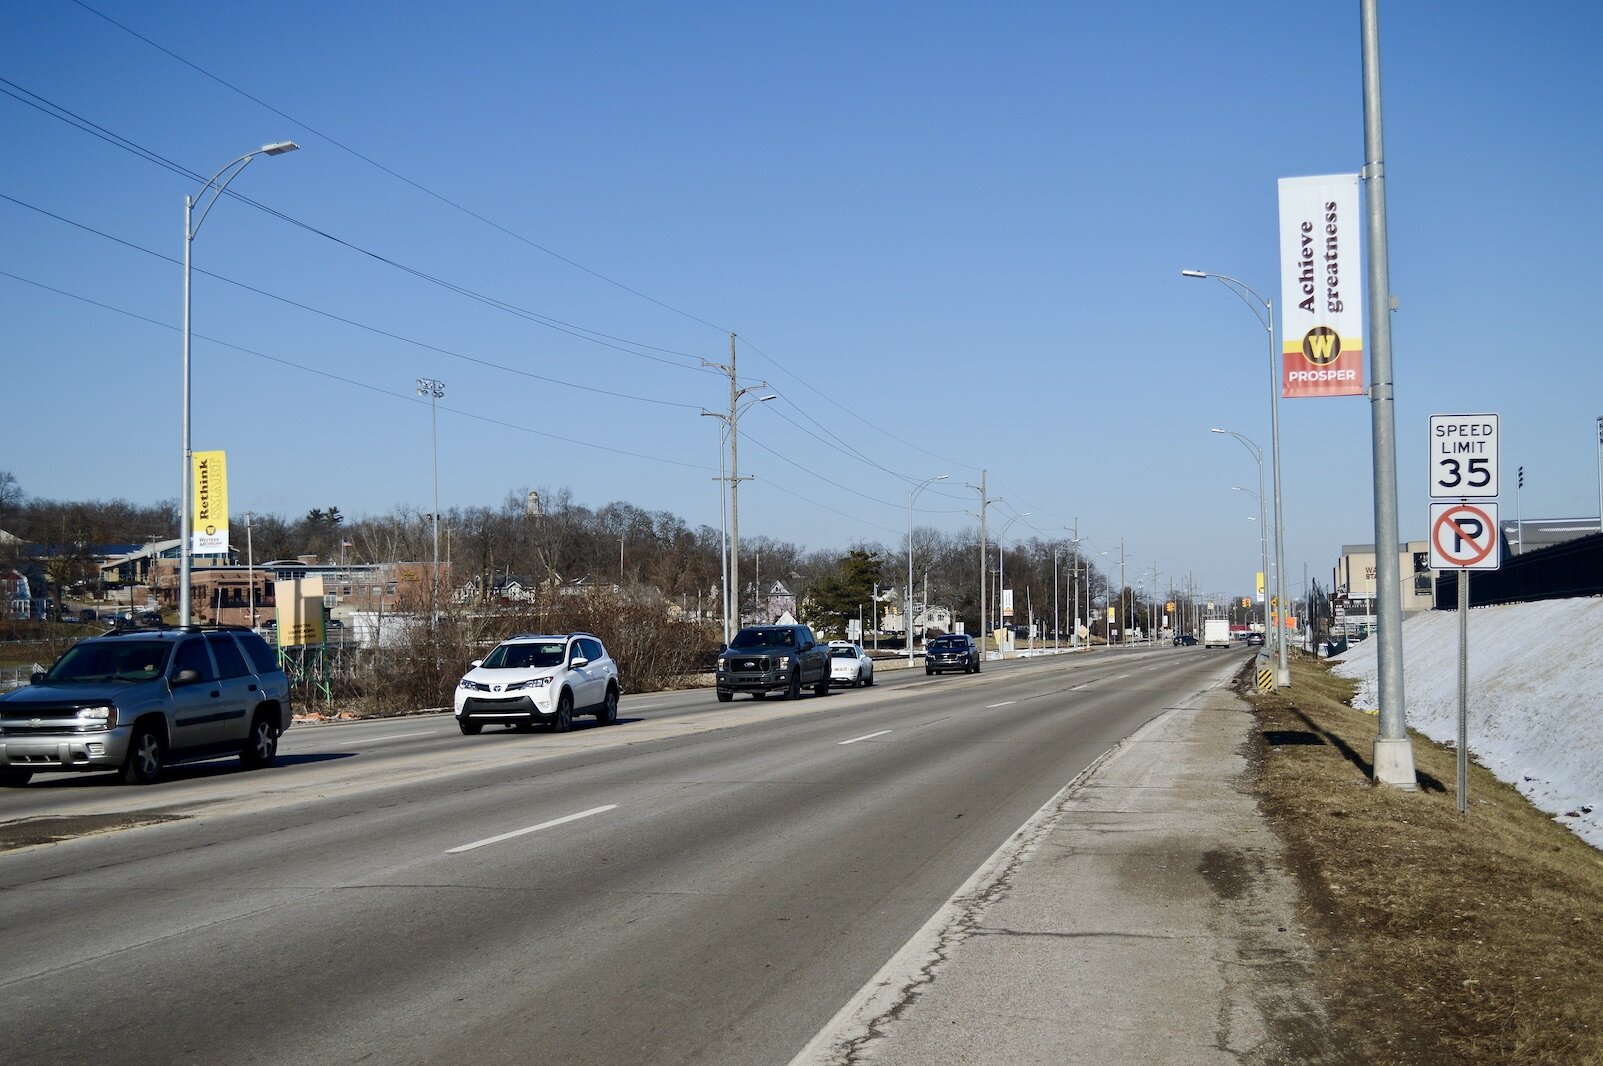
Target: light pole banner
(1321, 287)
(210, 521)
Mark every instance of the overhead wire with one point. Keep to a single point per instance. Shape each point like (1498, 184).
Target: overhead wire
(349, 321)
(394, 173)
(580, 332)
(474, 416)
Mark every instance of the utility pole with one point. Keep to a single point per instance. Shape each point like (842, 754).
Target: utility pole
(730, 420)
(985, 502)
(1394, 753)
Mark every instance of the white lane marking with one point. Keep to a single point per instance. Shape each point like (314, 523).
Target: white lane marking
(401, 736)
(1121, 677)
(868, 736)
(1005, 703)
(532, 829)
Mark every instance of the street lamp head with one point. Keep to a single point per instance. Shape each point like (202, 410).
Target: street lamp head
(1194, 273)
(765, 399)
(279, 148)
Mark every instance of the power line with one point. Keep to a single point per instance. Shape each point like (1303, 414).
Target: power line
(396, 174)
(353, 322)
(409, 398)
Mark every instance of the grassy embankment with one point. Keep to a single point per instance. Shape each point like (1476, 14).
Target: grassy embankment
(1441, 937)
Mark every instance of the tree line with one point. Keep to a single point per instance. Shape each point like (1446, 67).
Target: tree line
(549, 537)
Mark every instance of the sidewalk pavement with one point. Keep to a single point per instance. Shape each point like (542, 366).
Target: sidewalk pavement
(1145, 915)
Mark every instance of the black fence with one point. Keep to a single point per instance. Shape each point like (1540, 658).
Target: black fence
(1574, 568)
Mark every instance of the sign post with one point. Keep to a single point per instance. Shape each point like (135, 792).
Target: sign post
(1464, 536)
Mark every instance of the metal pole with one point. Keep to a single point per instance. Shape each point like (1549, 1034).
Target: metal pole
(185, 548)
(191, 227)
(434, 389)
(1600, 473)
(250, 567)
(1463, 691)
(734, 486)
(1394, 753)
(909, 617)
(1283, 676)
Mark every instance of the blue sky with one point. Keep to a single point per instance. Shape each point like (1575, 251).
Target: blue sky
(948, 236)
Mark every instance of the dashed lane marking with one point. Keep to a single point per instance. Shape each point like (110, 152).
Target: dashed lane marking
(866, 736)
(531, 829)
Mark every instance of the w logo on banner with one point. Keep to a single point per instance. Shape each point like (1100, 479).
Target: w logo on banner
(1321, 346)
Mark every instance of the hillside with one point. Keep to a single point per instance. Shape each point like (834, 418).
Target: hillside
(1535, 701)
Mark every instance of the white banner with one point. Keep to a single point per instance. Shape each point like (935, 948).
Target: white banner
(1321, 287)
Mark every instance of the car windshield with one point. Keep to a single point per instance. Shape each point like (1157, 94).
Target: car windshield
(843, 653)
(947, 645)
(111, 660)
(764, 638)
(525, 655)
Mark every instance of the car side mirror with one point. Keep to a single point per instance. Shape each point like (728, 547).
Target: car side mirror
(476, 662)
(578, 661)
(37, 677)
(186, 677)
(808, 645)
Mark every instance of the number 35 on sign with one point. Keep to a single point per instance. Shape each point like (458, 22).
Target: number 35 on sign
(1463, 457)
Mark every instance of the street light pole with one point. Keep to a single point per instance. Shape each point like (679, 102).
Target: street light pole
(1267, 320)
(435, 391)
(1256, 452)
(186, 548)
(908, 618)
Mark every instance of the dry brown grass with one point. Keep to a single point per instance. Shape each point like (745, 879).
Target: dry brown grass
(1444, 938)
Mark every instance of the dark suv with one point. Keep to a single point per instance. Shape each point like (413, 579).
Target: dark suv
(134, 702)
(955, 651)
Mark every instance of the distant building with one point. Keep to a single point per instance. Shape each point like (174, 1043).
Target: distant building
(1533, 534)
(1354, 584)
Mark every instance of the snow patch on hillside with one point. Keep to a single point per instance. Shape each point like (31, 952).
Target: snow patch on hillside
(1535, 705)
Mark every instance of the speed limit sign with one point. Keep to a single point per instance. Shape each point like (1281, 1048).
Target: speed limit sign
(1463, 457)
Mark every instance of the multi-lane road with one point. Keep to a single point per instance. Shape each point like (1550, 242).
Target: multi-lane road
(701, 883)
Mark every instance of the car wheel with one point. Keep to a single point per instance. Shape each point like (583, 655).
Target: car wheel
(857, 682)
(469, 729)
(870, 681)
(564, 717)
(822, 688)
(524, 727)
(724, 695)
(928, 672)
(146, 750)
(608, 712)
(13, 778)
(261, 747)
(976, 666)
(794, 691)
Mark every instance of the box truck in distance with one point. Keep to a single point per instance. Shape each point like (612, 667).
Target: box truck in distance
(1216, 632)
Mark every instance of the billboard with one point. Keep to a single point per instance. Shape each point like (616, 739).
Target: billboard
(1321, 287)
(209, 528)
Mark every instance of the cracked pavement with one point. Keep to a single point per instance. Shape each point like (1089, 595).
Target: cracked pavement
(1143, 916)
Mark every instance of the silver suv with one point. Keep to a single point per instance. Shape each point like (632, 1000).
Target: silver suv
(533, 678)
(134, 702)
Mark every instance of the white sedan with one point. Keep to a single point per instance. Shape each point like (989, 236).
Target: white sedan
(849, 665)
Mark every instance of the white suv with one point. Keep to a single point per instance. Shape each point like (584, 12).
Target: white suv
(532, 678)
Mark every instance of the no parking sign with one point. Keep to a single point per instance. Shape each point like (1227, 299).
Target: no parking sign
(1463, 536)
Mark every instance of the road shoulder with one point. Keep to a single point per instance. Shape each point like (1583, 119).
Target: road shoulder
(1144, 915)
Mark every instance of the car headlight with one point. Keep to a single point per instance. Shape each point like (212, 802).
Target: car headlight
(535, 682)
(472, 686)
(103, 716)
(784, 662)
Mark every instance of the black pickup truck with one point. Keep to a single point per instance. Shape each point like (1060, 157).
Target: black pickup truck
(764, 659)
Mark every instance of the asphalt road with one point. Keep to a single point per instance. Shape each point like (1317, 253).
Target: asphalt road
(701, 883)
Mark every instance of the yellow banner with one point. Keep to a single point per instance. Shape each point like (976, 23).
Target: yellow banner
(210, 520)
